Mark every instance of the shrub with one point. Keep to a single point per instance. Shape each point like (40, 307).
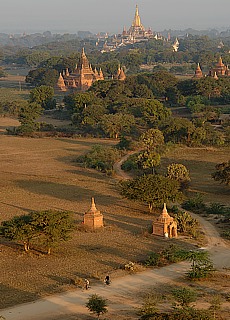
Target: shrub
(100, 158)
(201, 266)
(153, 259)
(124, 144)
(216, 208)
(97, 305)
(186, 224)
(174, 254)
(226, 235)
(129, 165)
(183, 296)
(195, 204)
(149, 307)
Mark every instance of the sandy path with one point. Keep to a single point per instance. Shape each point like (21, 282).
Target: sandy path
(124, 293)
(119, 173)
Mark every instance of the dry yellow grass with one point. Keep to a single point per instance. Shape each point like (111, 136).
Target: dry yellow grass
(39, 174)
(201, 163)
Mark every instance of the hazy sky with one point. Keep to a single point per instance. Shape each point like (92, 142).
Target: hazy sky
(106, 15)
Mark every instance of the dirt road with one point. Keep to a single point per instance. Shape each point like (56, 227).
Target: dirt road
(123, 294)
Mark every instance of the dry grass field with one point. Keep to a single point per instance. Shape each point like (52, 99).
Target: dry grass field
(201, 163)
(39, 174)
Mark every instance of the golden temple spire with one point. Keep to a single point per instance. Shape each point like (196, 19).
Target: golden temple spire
(137, 20)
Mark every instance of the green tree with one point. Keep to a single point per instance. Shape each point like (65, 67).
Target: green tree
(27, 116)
(208, 87)
(194, 103)
(185, 223)
(43, 95)
(154, 112)
(49, 227)
(184, 297)
(36, 57)
(149, 160)
(92, 115)
(222, 173)
(42, 76)
(117, 124)
(199, 136)
(161, 81)
(19, 229)
(152, 138)
(149, 306)
(100, 158)
(180, 173)
(52, 226)
(76, 102)
(97, 305)
(151, 189)
(178, 130)
(201, 266)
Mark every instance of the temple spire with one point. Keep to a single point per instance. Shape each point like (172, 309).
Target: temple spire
(93, 206)
(137, 20)
(164, 211)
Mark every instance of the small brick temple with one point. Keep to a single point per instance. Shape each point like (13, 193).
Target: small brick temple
(165, 225)
(93, 218)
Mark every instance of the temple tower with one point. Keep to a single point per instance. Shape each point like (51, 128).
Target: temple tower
(61, 84)
(137, 29)
(121, 75)
(198, 72)
(93, 218)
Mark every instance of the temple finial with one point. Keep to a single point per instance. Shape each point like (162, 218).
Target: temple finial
(93, 206)
(164, 211)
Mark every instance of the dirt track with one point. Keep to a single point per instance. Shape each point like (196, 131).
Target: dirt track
(124, 293)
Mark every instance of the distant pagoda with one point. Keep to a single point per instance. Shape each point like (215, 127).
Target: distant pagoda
(81, 78)
(136, 31)
(198, 72)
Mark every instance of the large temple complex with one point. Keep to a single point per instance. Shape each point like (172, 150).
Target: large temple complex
(220, 69)
(81, 78)
(137, 31)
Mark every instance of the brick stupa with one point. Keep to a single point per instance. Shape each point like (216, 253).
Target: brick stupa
(93, 218)
(165, 225)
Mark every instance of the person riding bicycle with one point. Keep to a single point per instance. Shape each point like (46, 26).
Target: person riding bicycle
(107, 280)
(86, 284)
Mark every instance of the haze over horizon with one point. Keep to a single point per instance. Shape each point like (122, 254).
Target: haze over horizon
(70, 16)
